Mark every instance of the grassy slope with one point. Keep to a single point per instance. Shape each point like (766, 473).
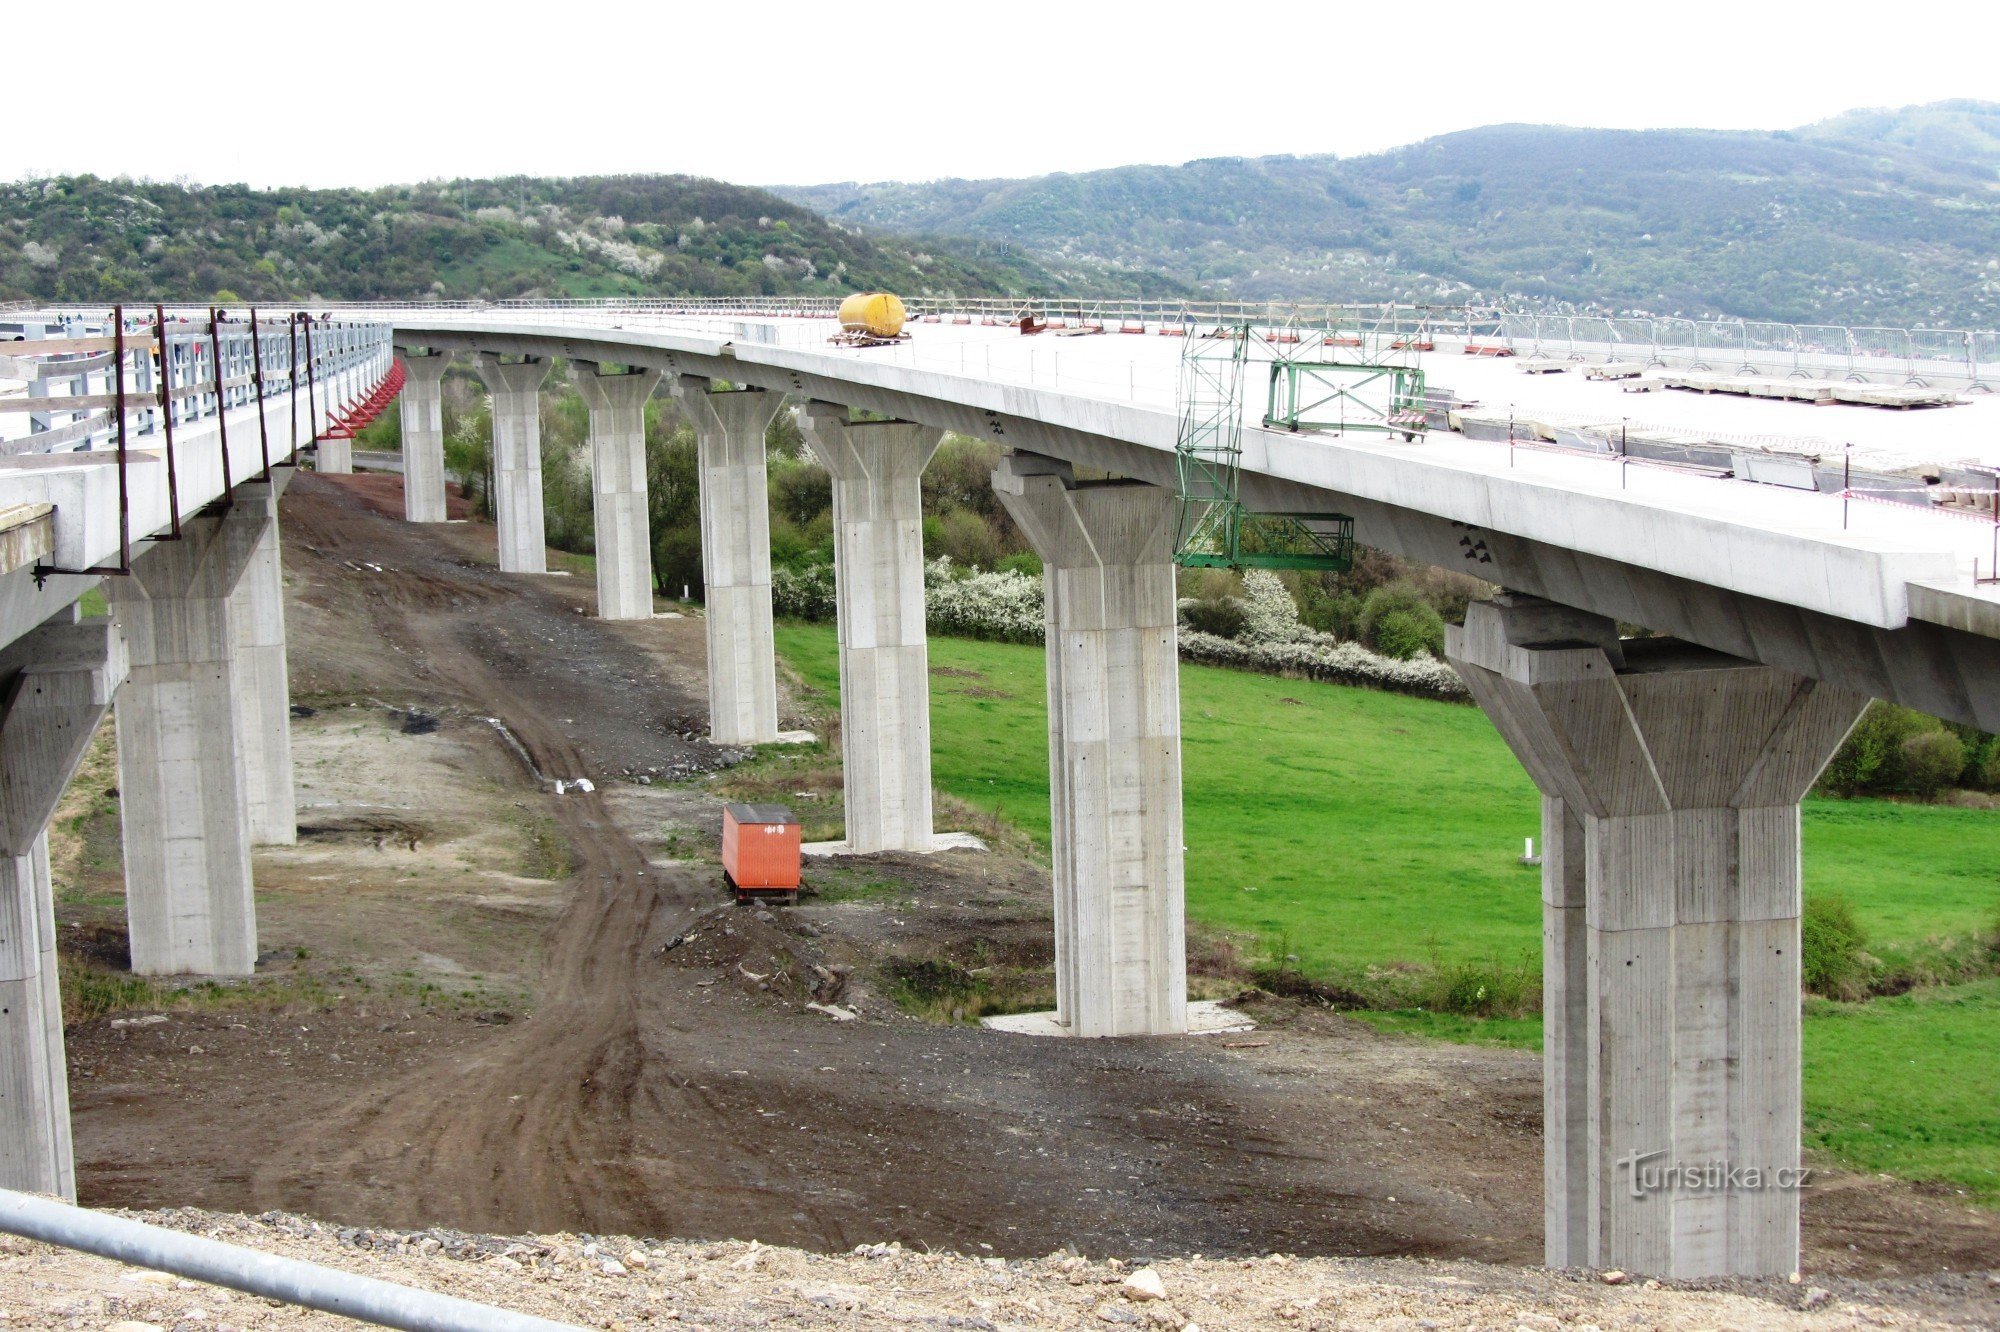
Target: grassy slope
(1375, 828)
(1910, 1085)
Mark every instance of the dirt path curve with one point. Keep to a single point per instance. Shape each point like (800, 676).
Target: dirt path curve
(568, 1079)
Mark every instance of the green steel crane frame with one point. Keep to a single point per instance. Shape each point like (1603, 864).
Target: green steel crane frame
(1217, 531)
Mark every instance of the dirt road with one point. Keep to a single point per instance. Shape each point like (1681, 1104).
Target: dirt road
(670, 1092)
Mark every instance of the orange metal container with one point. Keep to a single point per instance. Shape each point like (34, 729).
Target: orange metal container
(760, 849)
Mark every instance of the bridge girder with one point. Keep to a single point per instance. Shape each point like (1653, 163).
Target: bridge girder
(1941, 669)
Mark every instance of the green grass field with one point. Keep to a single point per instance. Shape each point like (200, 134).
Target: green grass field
(1362, 827)
(1351, 827)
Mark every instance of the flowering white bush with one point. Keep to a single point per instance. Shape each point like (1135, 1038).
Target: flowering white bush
(1008, 606)
(982, 604)
(803, 595)
(1331, 660)
(1274, 639)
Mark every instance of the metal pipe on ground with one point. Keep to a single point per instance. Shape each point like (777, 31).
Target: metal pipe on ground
(262, 1274)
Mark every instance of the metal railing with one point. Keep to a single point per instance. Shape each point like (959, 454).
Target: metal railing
(1942, 358)
(139, 378)
(262, 1274)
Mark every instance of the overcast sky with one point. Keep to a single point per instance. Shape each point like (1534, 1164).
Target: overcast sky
(776, 92)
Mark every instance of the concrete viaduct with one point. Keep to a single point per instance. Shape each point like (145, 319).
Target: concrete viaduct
(1671, 768)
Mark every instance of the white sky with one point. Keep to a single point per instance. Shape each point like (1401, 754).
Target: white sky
(775, 91)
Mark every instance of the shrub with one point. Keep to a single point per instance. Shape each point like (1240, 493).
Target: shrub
(1323, 658)
(1473, 989)
(1269, 613)
(1398, 621)
(965, 537)
(800, 488)
(1224, 617)
(1027, 563)
(1007, 606)
(1334, 613)
(1869, 759)
(1002, 606)
(1831, 961)
(1404, 634)
(803, 594)
(677, 561)
(1928, 762)
(796, 547)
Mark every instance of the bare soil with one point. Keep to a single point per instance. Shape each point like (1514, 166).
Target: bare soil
(489, 1006)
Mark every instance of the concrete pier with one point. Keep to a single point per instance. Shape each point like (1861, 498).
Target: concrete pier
(264, 691)
(180, 750)
(1671, 778)
(735, 558)
(422, 418)
(516, 387)
(59, 680)
(618, 482)
(878, 566)
(1107, 553)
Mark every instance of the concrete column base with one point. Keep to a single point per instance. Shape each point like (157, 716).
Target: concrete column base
(334, 457)
(60, 680)
(1671, 778)
(517, 461)
(422, 415)
(180, 751)
(736, 559)
(878, 568)
(617, 406)
(1114, 745)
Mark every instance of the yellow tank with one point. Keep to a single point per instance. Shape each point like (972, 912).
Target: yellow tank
(876, 314)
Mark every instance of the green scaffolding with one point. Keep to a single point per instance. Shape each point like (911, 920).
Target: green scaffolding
(1217, 531)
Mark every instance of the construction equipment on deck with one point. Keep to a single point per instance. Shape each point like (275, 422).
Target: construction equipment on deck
(1363, 379)
(1216, 530)
(871, 319)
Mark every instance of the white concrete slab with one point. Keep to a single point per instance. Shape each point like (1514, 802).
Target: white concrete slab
(953, 841)
(1206, 1017)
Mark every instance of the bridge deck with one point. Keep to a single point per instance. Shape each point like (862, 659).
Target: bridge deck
(1855, 561)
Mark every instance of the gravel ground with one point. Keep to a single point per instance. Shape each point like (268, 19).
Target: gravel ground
(622, 1284)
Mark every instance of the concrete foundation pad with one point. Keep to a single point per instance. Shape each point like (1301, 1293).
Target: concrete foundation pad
(797, 738)
(939, 842)
(1206, 1017)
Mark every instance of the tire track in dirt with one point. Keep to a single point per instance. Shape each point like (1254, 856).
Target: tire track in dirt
(531, 1128)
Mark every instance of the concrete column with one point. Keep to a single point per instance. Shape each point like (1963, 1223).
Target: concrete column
(517, 460)
(59, 680)
(735, 559)
(618, 488)
(1671, 778)
(264, 690)
(180, 750)
(878, 568)
(335, 456)
(422, 418)
(1107, 552)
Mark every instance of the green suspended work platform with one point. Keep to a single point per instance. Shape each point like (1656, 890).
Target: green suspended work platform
(1311, 388)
